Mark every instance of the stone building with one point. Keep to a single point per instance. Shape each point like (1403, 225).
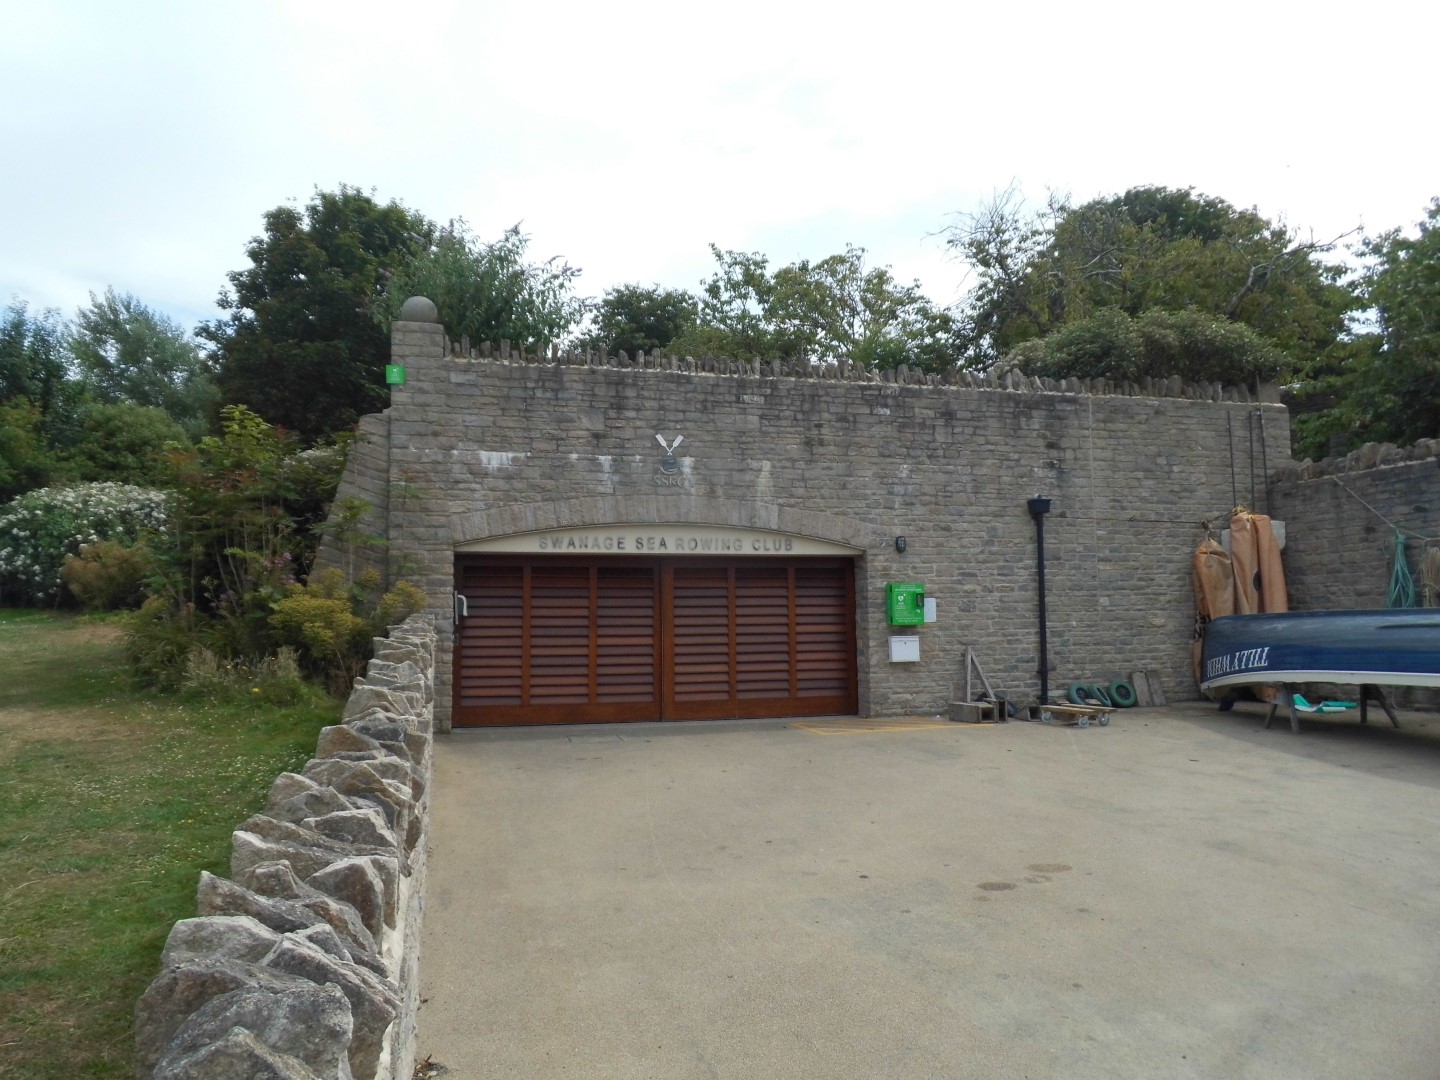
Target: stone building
(653, 538)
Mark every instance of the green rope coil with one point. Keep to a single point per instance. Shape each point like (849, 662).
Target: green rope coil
(1402, 585)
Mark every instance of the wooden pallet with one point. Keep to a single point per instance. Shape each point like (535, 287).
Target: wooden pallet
(1075, 715)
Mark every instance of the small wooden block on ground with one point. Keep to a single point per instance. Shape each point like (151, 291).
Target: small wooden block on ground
(1157, 692)
(1141, 682)
(975, 712)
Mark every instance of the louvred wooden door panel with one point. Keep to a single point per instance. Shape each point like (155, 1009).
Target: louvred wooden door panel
(489, 661)
(825, 642)
(559, 635)
(758, 638)
(625, 639)
(764, 634)
(556, 641)
(699, 642)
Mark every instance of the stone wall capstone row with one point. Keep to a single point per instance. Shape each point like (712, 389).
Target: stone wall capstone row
(305, 966)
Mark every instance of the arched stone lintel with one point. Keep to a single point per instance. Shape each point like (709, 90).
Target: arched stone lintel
(466, 527)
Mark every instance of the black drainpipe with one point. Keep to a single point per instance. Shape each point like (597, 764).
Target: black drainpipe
(1039, 507)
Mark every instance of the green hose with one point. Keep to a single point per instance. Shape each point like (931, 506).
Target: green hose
(1402, 585)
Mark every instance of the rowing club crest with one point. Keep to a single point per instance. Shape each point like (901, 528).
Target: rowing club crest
(669, 464)
(669, 474)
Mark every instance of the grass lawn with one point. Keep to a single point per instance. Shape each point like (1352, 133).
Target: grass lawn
(112, 800)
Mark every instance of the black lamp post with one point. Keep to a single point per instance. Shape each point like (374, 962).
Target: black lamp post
(1039, 507)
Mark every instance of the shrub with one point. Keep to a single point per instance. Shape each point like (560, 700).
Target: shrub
(308, 481)
(108, 575)
(246, 511)
(40, 528)
(158, 640)
(323, 625)
(244, 515)
(271, 680)
(332, 621)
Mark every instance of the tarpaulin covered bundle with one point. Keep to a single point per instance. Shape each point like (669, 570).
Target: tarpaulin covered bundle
(1255, 554)
(1214, 580)
(1248, 579)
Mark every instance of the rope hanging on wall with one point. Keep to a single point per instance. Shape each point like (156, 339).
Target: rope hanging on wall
(1402, 585)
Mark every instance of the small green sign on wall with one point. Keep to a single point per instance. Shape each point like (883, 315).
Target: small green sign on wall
(395, 374)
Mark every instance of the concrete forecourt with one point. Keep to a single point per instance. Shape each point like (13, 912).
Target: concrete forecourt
(1180, 894)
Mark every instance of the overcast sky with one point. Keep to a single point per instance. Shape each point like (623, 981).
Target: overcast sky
(143, 141)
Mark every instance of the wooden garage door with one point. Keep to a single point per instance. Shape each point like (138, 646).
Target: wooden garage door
(616, 639)
(759, 639)
(547, 643)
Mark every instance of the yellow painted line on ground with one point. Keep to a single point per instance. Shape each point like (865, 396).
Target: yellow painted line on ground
(871, 727)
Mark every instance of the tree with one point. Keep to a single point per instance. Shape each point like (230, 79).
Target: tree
(32, 357)
(487, 292)
(837, 308)
(38, 399)
(125, 352)
(1152, 248)
(634, 317)
(25, 459)
(1155, 344)
(302, 346)
(735, 310)
(1389, 388)
(118, 441)
(1000, 242)
(244, 511)
(817, 312)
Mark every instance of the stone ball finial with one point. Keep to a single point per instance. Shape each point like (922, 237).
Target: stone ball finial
(419, 309)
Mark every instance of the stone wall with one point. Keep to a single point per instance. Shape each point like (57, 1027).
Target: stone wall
(356, 539)
(486, 444)
(303, 964)
(1341, 516)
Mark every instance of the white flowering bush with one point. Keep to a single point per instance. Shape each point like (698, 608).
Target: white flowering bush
(40, 528)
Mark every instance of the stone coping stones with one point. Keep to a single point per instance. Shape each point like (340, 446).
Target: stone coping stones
(278, 880)
(368, 885)
(310, 1023)
(239, 1055)
(178, 992)
(374, 1003)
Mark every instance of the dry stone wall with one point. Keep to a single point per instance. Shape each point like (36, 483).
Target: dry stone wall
(480, 445)
(303, 963)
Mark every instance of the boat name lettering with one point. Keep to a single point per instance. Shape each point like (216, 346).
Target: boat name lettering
(1244, 660)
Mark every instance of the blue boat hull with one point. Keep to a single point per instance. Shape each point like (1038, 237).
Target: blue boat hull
(1382, 648)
